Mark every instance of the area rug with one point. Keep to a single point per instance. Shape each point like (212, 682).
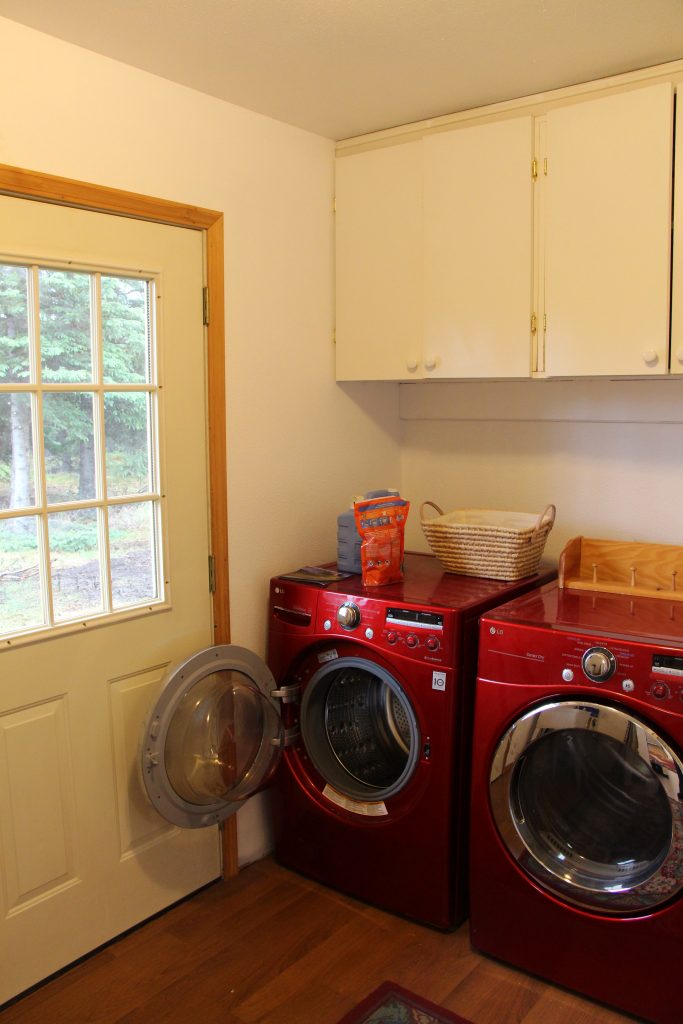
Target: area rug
(391, 1004)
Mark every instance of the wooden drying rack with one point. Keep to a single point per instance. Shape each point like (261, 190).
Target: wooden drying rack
(622, 567)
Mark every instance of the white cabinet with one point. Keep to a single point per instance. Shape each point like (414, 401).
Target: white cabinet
(434, 256)
(607, 234)
(478, 224)
(452, 263)
(379, 263)
(677, 273)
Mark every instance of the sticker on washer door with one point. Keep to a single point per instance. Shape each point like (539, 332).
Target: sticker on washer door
(375, 808)
(327, 656)
(438, 680)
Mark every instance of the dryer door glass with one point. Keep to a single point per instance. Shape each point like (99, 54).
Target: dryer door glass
(213, 737)
(588, 800)
(359, 729)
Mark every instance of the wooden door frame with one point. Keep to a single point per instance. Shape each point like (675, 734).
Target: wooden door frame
(24, 184)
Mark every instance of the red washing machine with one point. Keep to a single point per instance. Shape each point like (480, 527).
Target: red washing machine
(577, 814)
(370, 796)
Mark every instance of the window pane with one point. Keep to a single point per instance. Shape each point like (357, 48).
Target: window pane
(20, 602)
(75, 564)
(65, 327)
(132, 545)
(125, 330)
(126, 426)
(17, 483)
(14, 362)
(69, 446)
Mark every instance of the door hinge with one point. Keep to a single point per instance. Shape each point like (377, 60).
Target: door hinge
(205, 306)
(534, 323)
(534, 169)
(288, 738)
(212, 574)
(287, 694)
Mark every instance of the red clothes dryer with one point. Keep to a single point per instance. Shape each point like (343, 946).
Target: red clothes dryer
(577, 812)
(370, 795)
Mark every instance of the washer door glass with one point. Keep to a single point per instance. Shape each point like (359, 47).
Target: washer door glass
(213, 737)
(359, 729)
(588, 800)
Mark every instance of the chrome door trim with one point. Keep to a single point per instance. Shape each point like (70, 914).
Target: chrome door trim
(568, 878)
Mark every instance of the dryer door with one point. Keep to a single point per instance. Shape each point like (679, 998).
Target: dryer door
(213, 737)
(587, 799)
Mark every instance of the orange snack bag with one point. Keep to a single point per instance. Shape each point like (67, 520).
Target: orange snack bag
(381, 524)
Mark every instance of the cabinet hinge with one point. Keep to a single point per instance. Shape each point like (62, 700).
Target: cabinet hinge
(545, 166)
(534, 323)
(334, 204)
(205, 306)
(334, 335)
(212, 574)
(545, 323)
(534, 169)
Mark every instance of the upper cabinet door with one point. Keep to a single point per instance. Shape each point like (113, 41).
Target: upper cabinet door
(608, 234)
(677, 275)
(478, 216)
(379, 263)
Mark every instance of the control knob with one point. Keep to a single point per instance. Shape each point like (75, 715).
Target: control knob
(598, 664)
(348, 616)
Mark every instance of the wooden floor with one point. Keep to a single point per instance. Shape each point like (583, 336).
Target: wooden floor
(272, 948)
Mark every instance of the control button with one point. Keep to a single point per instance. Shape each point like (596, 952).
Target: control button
(369, 633)
(411, 640)
(432, 643)
(348, 616)
(628, 686)
(660, 691)
(327, 624)
(598, 664)
(392, 637)
(567, 675)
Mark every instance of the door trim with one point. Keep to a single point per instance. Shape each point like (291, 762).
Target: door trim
(26, 184)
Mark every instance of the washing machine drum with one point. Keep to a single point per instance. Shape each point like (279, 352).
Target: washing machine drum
(587, 798)
(359, 729)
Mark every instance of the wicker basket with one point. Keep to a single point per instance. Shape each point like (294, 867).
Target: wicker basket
(485, 542)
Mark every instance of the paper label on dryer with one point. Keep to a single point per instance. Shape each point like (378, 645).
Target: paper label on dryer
(438, 680)
(327, 656)
(373, 809)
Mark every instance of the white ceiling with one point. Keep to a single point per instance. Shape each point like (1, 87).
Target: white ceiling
(345, 67)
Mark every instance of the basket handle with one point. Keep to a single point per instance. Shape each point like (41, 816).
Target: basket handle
(432, 505)
(546, 516)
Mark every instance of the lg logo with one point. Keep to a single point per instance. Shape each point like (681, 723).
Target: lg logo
(495, 632)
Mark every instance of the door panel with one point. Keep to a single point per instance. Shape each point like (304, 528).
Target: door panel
(92, 856)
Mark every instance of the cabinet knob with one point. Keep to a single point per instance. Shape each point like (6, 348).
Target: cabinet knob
(412, 365)
(430, 363)
(650, 357)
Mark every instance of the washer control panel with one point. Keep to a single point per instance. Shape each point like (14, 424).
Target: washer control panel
(415, 632)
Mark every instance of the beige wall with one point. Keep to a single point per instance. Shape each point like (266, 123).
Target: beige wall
(608, 454)
(298, 446)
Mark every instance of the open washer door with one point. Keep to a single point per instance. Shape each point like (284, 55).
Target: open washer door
(213, 738)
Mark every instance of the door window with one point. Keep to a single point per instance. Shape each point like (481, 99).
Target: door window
(594, 800)
(80, 523)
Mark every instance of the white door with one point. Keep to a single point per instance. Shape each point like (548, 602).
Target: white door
(116, 588)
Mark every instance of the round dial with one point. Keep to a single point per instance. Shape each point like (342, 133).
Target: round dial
(598, 664)
(348, 616)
